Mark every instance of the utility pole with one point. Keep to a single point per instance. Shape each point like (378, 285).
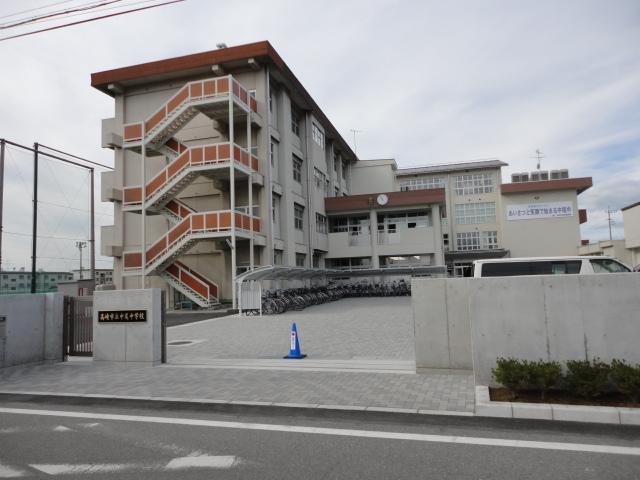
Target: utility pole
(2, 147)
(34, 231)
(609, 221)
(80, 246)
(354, 139)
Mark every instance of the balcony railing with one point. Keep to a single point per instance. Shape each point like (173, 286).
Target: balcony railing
(214, 88)
(193, 157)
(195, 223)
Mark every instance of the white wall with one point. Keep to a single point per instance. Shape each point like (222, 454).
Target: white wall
(550, 317)
(33, 329)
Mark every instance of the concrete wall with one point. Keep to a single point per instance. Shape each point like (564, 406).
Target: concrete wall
(441, 323)
(551, 317)
(373, 176)
(33, 329)
(128, 342)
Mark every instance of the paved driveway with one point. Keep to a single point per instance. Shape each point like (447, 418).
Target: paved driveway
(348, 329)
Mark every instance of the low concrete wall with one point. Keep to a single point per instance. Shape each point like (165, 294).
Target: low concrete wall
(553, 317)
(133, 341)
(441, 323)
(33, 329)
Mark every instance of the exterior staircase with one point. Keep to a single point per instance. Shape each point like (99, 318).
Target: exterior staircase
(217, 98)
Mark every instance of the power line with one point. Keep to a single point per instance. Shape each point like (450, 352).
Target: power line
(97, 10)
(26, 21)
(89, 20)
(35, 9)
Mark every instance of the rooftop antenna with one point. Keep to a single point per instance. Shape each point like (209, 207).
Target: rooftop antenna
(354, 131)
(610, 221)
(539, 158)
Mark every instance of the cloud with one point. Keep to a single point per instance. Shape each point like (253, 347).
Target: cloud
(425, 81)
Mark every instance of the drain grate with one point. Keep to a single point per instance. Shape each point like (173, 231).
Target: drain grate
(181, 342)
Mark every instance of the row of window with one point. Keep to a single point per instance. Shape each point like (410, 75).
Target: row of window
(477, 240)
(468, 184)
(474, 213)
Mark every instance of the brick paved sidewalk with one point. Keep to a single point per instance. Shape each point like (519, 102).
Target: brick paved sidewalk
(416, 392)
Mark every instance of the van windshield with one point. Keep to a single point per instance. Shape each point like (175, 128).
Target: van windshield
(510, 269)
(606, 265)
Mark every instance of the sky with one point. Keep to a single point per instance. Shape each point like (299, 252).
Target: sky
(425, 82)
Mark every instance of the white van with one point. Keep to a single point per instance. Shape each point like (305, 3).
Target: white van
(509, 267)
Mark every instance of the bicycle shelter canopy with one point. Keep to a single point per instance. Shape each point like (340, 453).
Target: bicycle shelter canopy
(249, 284)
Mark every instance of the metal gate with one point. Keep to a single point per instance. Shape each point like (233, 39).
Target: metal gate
(78, 326)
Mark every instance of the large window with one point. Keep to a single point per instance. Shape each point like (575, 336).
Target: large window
(424, 183)
(295, 121)
(474, 183)
(300, 259)
(321, 223)
(474, 213)
(392, 222)
(477, 240)
(317, 135)
(320, 179)
(297, 169)
(298, 216)
(274, 153)
(353, 225)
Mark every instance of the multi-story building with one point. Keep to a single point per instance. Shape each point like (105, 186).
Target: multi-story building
(19, 281)
(631, 219)
(104, 276)
(535, 215)
(222, 163)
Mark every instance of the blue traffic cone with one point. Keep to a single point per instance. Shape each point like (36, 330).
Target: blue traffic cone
(294, 351)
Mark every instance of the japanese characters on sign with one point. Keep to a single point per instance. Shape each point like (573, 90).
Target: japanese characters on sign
(120, 316)
(539, 210)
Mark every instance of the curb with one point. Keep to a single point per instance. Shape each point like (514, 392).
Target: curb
(553, 411)
(231, 406)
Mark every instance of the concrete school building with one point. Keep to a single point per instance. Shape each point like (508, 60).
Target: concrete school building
(224, 162)
(537, 214)
(631, 219)
(16, 282)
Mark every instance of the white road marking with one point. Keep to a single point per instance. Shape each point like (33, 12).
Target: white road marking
(61, 428)
(202, 461)
(9, 472)
(417, 437)
(90, 425)
(81, 468)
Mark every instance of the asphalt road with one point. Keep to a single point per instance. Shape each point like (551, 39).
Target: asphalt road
(82, 441)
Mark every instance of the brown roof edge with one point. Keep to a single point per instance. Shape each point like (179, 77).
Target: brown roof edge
(630, 206)
(263, 50)
(368, 201)
(578, 184)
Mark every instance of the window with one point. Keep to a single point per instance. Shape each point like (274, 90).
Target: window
(275, 207)
(353, 225)
(474, 183)
(295, 121)
(336, 163)
(274, 153)
(345, 167)
(391, 222)
(474, 213)
(317, 135)
(606, 265)
(337, 192)
(321, 223)
(510, 269)
(421, 183)
(277, 257)
(320, 179)
(297, 169)
(298, 215)
(300, 259)
(272, 104)
(477, 240)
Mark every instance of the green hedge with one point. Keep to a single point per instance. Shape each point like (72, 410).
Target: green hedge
(584, 378)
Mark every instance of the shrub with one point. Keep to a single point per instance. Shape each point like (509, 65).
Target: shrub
(587, 379)
(511, 373)
(626, 379)
(542, 375)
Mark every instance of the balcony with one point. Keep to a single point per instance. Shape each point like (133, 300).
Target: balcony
(109, 245)
(210, 97)
(108, 192)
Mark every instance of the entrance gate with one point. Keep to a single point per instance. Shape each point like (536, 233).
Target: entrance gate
(78, 326)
